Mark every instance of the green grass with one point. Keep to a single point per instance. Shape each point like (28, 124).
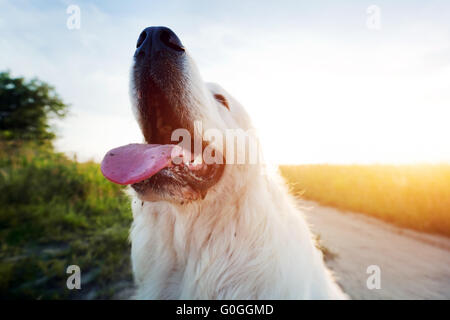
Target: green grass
(55, 212)
(412, 196)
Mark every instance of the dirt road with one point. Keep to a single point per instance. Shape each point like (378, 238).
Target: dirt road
(413, 265)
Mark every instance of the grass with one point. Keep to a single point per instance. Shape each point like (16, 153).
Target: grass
(55, 212)
(412, 196)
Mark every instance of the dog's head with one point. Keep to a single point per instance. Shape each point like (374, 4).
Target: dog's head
(168, 94)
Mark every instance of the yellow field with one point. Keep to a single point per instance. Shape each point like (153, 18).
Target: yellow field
(413, 196)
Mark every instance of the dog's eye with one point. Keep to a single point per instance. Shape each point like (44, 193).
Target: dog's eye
(222, 100)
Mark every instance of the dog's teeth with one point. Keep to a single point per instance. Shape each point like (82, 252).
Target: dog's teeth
(197, 160)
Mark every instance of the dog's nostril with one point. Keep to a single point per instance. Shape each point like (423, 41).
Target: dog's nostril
(171, 40)
(141, 39)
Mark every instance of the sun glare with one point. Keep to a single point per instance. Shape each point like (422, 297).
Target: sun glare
(327, 103)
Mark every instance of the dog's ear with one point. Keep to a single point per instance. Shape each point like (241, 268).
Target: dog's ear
(222, 100)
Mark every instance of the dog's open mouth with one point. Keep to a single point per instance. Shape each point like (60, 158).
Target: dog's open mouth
(161, 166)
(156, 166)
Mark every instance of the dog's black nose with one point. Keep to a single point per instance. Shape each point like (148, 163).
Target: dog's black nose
(157, 39)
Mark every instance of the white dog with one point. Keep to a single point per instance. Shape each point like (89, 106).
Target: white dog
(206, 231)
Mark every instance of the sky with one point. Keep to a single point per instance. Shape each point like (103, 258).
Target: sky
(323, 81)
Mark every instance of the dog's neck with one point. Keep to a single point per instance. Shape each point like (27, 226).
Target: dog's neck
(219, 243)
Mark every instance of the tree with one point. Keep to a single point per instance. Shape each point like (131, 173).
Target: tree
(26, 108)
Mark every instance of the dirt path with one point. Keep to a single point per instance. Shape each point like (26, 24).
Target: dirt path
(413, 265)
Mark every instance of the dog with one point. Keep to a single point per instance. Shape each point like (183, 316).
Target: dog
(206, 230)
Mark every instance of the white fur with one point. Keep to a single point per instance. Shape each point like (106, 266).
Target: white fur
(245, 240)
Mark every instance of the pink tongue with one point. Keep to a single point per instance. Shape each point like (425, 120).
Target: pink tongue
(136, 162)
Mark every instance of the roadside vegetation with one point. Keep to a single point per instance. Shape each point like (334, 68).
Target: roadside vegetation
(412, 196)
(54, 211)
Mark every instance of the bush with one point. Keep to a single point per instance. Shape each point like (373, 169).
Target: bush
(55, 212)
(26, 107)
